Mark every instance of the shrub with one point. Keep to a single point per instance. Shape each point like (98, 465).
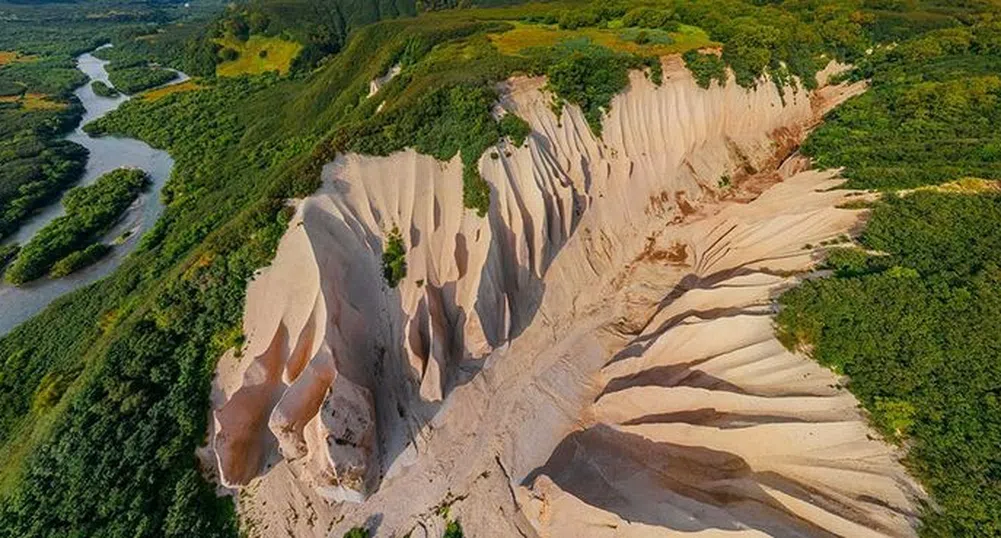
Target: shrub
(453, 530)
(590, 78)
(573, 19)
(475, 191)
(227, 54)
(645, 17)
(102, 89)
(705, 68)
(515, 128)
(78, 260)
(394, 258)
(7, 254)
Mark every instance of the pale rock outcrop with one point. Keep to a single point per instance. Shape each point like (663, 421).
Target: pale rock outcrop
(704, 420)
(593, 358)
(379, 83)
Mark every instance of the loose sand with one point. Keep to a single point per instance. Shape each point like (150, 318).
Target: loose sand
(593, 358)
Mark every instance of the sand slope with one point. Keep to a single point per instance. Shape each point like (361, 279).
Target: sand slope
(593, 358)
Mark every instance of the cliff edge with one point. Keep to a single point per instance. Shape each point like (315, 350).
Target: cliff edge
(595, 357)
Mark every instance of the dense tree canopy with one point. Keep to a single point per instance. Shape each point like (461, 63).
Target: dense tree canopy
(915, 330)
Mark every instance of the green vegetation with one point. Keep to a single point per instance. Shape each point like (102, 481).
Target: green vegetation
(612, 35)
(320, 26)
(931, 116)
(590, 77)
(90, 211)
(102, 89)
(515, 128)
(453, 530)
(443, 123)
(647, 17)
(255, 55)
(34, 165)
(705, 68)
(357, 532)
(183, 45)
(915, 330)
(186, 86)
(35, 110)
(7, 254)
(127, 362)
(441, 103)
(909, 316)
(37, 77)
(50, 75)
(394, 258)
(136, 79)
(78, 260)
(760, 39)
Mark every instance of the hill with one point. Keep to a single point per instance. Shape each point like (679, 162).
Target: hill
(104, 397)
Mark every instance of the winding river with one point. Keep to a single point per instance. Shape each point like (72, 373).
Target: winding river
(107, 153)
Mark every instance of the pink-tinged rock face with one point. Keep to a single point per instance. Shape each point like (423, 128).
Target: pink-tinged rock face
(593, 358)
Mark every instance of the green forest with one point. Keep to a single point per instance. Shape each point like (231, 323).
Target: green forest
(131, 80)
(914, 328)
(128, 361)
(910, 313)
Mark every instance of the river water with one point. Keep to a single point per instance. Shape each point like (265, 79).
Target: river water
(107, 153)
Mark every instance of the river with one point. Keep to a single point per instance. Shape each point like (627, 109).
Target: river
(17, 304)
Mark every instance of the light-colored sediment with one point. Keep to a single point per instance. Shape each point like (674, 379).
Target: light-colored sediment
(378, 83)
(594, 358)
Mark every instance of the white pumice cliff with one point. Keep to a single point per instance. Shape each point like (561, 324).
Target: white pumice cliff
(594, 358)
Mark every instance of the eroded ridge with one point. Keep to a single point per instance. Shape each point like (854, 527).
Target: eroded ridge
(594, 357)
(705, 421)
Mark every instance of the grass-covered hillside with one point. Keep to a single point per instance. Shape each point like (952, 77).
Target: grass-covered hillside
(104, 396)
(255, 55)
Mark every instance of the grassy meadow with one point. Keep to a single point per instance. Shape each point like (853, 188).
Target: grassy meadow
(661, 43)
(258, 54)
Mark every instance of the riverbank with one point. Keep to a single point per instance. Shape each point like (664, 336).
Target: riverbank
(106, 154)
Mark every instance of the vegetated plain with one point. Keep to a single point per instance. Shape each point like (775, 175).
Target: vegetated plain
(103, 395)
